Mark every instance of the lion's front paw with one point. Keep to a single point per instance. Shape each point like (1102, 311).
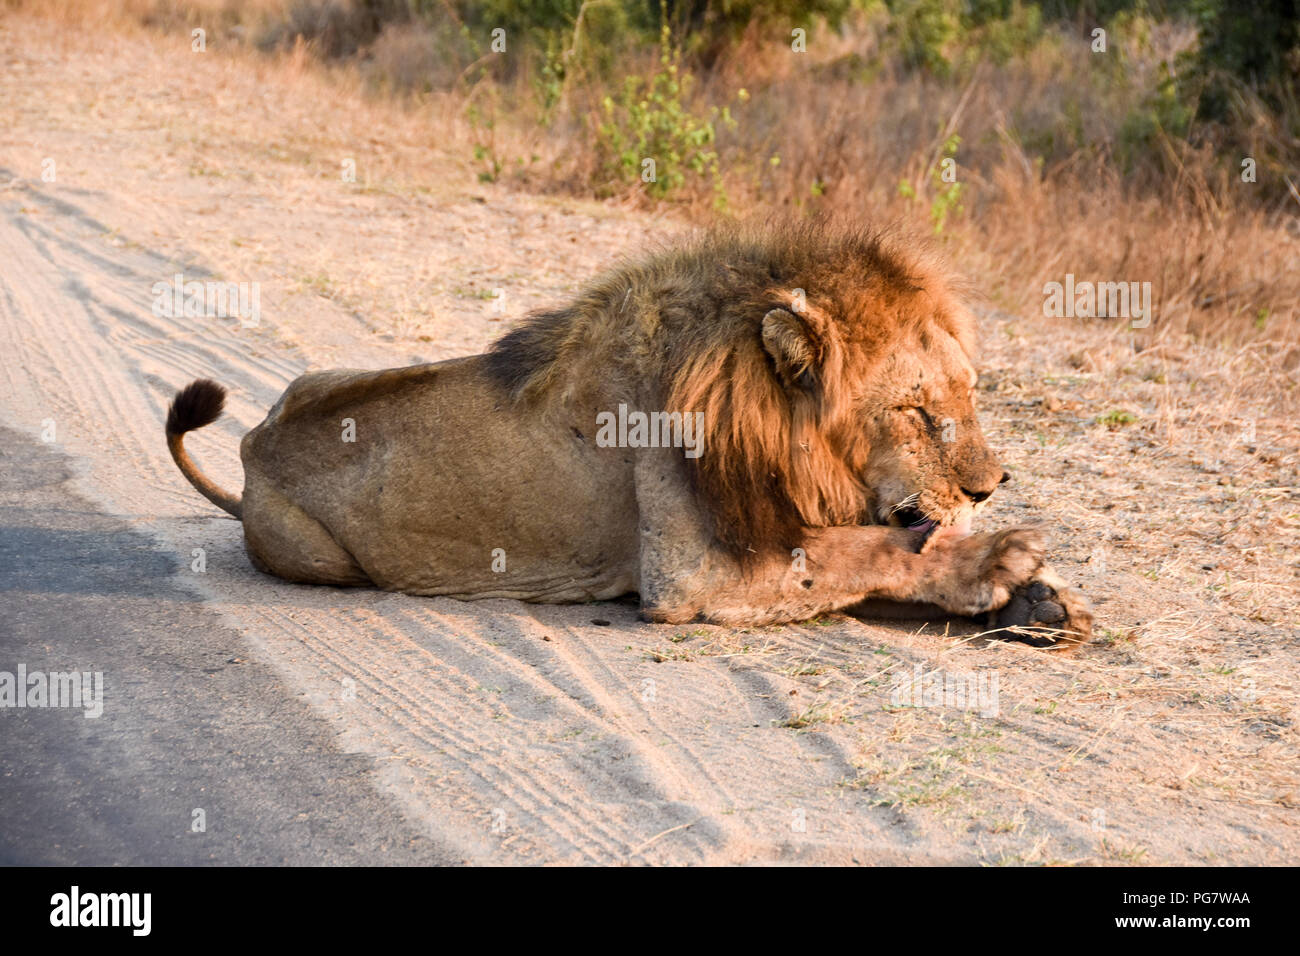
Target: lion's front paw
(973, 575)
(1012, 560)
(1047, 612)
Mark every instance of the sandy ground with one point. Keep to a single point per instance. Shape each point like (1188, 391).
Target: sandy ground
(512, 733)
(199, 754)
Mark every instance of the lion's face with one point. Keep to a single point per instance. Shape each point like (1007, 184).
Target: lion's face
(927, 465)
(884, 418)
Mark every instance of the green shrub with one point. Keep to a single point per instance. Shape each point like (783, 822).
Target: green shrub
(938, 35)
(1257, 46)
(1163, 113)
(652, 119)
(924, 31)
(946, 199)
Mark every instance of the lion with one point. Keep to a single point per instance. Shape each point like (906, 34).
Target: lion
(758, 426)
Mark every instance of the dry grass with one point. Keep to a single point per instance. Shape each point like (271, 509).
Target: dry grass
(1223, 265)
(1040, 197)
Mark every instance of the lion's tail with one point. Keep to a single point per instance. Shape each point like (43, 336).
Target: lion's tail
(194, 406)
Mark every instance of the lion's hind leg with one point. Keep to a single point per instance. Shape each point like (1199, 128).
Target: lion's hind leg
(283, 540)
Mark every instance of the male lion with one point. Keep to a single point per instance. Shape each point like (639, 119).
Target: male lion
(838, 458)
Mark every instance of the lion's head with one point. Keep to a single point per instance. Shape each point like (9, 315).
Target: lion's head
(837, 389)
(832, 367)
(918, 447)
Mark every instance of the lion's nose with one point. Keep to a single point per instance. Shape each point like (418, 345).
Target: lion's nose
(979, 483)
(980, 495)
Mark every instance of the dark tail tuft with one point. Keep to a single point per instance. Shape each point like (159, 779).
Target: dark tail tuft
(197, 404)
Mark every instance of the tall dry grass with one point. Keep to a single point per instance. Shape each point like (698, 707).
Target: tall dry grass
(1223, 261)
(1049, 179)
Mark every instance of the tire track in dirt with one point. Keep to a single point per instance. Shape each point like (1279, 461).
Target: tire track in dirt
(442, 708)
(544, 683)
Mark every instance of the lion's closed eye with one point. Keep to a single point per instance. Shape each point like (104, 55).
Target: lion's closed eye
(916, 412)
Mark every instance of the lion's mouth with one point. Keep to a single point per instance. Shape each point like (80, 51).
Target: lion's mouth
(931, 531)
(913, 519)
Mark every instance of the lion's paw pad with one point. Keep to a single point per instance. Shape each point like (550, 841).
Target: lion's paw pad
(1037, 605)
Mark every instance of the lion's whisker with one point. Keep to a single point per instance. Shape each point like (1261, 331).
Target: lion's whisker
(906, 502)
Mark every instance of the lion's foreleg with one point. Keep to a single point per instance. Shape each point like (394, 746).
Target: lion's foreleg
(835, 567)
(683, 576)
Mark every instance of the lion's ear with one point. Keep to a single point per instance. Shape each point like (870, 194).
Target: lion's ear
(794, 350)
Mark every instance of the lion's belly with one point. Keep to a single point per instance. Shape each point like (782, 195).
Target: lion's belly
(436, 486)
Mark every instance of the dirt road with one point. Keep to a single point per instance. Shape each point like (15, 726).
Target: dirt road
(191, 754)
(498, 732)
